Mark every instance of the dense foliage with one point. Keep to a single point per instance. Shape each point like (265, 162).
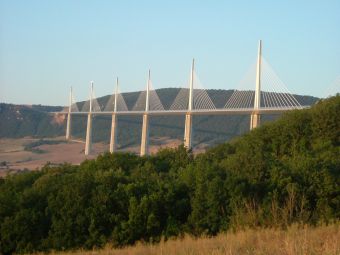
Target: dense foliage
(283, 172)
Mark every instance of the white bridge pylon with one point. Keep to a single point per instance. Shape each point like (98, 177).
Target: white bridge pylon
(274, 93)
(116, 101)
(155, 103)
(261, 91)
(201, 99)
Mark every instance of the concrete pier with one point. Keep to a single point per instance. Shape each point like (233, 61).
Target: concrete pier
(255, 119)
(255, 116)
(113, 139)
(144, 146)
(68, 127)
(88, 142)
(188, 131)
(68, 123)
(188, 116)
(144, 150)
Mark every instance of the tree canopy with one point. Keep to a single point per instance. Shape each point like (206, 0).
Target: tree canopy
(284, 172)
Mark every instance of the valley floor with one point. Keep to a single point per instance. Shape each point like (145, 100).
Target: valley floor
(12, 151)
(293, 241)
(14, 157)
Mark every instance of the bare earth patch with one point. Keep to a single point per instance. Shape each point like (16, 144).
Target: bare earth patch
(16, 158)
(12, 151)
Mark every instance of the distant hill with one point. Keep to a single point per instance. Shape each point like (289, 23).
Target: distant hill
(22, 120)
(25, 120)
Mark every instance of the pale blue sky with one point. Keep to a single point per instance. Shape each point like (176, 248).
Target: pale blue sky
(46, 46)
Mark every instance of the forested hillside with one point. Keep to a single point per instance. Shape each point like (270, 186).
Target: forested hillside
(19, 121)
(284, 172)
(23, 120)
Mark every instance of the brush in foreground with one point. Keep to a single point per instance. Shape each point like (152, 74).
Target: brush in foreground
(294, 240)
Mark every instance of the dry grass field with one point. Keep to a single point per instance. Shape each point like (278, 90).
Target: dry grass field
(293, 241)
(13, 152)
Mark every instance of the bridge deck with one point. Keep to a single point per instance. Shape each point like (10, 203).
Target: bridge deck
(222, 111)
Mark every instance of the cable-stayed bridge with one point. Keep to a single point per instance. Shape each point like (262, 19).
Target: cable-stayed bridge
(260, 92)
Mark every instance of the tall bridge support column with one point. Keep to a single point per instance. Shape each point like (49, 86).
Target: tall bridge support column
(188, 116)
(144, 150)
(113, 140)
(144, 146)
(88, 142)
(188, 131)
(68, 127)
(255, 116)
(68, 124)
(255, 119)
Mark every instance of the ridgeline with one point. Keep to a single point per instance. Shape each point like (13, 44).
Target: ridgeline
(36, 121)
(285, 172)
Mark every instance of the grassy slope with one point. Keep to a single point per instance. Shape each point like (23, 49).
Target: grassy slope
(295, 240)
